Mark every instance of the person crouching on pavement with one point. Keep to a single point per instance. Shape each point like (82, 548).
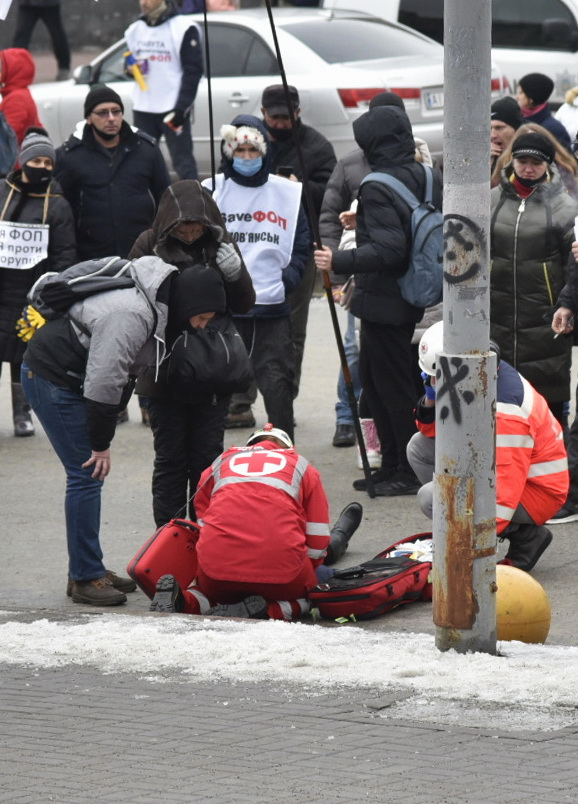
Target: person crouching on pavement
(76, 375)
(531, 465)
(265, 531)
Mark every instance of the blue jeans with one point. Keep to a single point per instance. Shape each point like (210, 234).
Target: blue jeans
(62, 414)
(342, 409)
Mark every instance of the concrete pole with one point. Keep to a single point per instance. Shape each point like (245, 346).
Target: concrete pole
(464, 569)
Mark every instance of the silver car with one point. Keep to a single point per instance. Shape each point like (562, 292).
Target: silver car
(337, 60)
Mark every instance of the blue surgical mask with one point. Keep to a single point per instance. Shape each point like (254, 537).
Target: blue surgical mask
(247, 167)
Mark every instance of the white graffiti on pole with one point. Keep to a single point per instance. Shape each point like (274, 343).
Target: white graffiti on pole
(23, 245)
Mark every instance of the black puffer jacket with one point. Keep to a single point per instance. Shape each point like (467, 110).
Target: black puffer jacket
(384, 220)
(530, 244)
(114, 193)
(19, 204)
(187, 201)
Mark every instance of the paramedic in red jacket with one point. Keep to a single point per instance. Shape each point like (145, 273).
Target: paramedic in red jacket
(531, 464)
(264, 521)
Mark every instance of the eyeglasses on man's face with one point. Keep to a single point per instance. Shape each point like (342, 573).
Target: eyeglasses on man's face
(104, 113)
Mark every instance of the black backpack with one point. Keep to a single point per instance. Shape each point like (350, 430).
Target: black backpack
(54, 293)
(210, 361)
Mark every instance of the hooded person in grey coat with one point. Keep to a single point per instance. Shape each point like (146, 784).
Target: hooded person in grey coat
(77, 374)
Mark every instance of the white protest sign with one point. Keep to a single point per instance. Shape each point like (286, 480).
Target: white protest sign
(23, 245)
(4, 8)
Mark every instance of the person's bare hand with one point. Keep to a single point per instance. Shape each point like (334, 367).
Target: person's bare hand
(563, 321)
(348, 219)
(323, 258)
(101, 463)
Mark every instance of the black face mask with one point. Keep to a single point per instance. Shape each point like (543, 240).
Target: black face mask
(530, 182)
(281, 134)
(37, 175)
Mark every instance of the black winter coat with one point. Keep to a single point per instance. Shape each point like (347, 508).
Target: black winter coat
(383, 232)
(114, 193)
(19, 204)
(530, 244)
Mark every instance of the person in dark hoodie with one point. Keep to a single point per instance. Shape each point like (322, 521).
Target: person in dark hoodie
(388, 322)
(76, 376)
(112, 175)
(266, 218)
(188, 231)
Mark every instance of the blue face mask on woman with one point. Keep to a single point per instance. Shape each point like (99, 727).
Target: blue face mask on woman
(247, 167)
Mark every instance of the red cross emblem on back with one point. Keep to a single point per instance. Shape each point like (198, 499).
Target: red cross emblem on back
(257, 463)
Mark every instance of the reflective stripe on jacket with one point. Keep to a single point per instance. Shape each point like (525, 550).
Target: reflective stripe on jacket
(263, 513)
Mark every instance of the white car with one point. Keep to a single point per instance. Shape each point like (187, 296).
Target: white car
(527, 37)
(337, 60)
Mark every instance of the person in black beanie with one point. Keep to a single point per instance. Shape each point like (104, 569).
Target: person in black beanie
(112, 175)
(532, 94)
(29, 196)
(532, 229)
(506, 119)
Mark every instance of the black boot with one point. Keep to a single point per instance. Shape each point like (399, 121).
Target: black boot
(168, 596)
(253, 607)
(527, 544)
(21, 412)
(342, 532)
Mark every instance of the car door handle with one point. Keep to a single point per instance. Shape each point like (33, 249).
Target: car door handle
(236, 99)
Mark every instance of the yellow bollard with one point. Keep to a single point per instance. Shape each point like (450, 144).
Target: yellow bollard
(523, 610)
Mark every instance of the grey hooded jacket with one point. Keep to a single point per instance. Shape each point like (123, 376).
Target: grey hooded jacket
(105, 340)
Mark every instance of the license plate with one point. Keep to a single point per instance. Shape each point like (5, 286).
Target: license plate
(433, 98)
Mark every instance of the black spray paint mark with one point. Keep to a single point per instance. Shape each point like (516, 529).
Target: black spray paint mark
(463, 245)
(449, 385)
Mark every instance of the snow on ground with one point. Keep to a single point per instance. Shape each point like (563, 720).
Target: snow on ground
(536, 679)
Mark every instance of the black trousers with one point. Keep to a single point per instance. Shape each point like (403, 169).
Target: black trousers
(387, 378)
(270, 346)
(187, 439)
(299, 300)
(26, 21)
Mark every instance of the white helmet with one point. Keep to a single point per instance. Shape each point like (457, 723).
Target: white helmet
(271, 432)
(431, 343)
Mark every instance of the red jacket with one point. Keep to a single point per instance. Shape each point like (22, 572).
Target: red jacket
(531, 462)
(17, 71)
(263, 512)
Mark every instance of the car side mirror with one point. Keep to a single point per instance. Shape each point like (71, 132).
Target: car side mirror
(83, 74)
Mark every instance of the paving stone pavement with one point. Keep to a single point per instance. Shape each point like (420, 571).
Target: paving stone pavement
(73, 735)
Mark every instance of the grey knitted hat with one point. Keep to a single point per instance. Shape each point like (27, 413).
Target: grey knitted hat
(36, 142)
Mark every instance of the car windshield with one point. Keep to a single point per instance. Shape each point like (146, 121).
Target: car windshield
(339, 41)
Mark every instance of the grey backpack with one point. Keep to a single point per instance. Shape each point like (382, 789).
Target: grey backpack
(422, 283)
